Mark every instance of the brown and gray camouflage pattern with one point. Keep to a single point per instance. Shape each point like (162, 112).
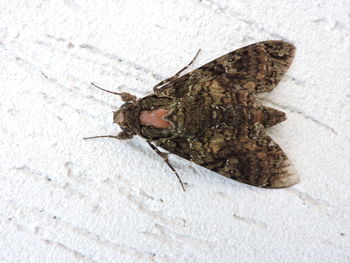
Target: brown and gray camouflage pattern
(217, 120)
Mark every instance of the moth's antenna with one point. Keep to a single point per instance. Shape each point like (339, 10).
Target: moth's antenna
(120, 136)
(125, 96)
(116, 93)
(101, 136)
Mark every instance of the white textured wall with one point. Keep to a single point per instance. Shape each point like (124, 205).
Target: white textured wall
(63, 199)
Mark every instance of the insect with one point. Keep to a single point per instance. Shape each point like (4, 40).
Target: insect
(212, 116)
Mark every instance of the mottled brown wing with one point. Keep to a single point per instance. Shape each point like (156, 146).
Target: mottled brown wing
(256, 68)
(254, 159)
(241, 150)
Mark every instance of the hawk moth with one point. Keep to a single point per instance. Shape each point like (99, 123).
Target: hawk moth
(213, 117)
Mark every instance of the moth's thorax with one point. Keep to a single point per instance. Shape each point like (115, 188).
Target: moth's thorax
(155, 118)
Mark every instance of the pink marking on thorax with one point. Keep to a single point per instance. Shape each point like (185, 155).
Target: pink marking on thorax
(155, 118)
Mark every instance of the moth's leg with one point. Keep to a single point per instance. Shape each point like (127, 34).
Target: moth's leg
(166, 160)
(125, 96)
(188, 65)
(120, 136)
(177, 74)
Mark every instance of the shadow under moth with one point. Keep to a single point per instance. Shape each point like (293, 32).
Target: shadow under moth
(213, 116)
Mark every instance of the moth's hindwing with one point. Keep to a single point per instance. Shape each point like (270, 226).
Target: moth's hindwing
(218, 122)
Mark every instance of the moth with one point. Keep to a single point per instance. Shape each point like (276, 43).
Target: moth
(213, 116)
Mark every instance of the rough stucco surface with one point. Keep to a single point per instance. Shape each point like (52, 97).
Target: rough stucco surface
(63, 199)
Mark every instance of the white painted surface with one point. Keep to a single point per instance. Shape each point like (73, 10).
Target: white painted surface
(63, 199)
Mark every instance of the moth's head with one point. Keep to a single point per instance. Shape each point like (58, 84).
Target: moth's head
(125, 118)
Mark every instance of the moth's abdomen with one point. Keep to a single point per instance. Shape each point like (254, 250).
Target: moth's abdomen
(268, 116)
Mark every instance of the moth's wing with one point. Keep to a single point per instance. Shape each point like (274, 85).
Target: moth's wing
(256, 68)
(241, 153)
(254, 158)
